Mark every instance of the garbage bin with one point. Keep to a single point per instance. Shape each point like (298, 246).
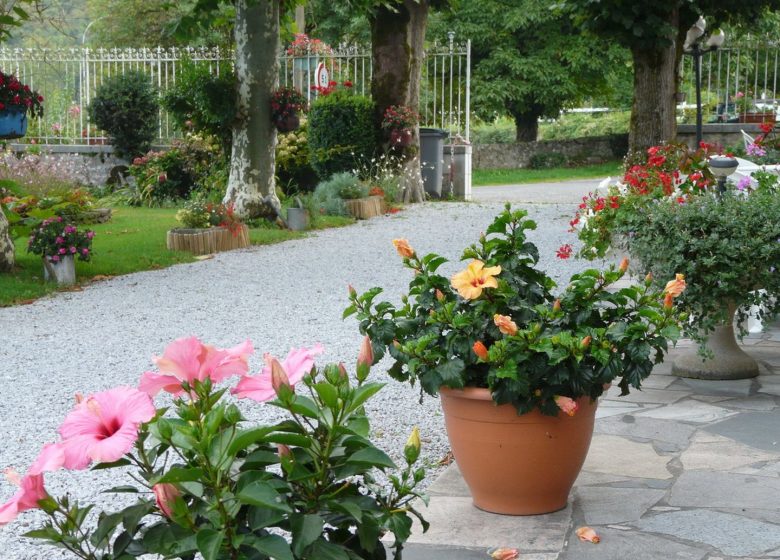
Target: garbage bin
(431, 155)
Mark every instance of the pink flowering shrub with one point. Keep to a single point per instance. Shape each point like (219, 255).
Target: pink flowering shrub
(209, 484)
(55, 239)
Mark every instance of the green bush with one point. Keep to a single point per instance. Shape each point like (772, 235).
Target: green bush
(126, 107)
(293, 170)
(342, 132)
(329, 195)
(547, 160)
(204, 100)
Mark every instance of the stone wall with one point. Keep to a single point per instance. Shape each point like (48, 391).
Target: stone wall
(91, 164)
(725, 134)
(595, 149)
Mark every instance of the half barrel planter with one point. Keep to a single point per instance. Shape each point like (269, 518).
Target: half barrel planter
(209, 240)
(365, 208)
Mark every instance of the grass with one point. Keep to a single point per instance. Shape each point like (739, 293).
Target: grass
(482, 177)
(132, 241)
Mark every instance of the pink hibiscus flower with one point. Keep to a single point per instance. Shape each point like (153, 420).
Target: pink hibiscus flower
(104, 426)
(188, 359)
(298, 363)
(31, 489)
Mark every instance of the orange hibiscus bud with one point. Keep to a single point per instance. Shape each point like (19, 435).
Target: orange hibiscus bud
(668, 301)
(557, 306)
(342, 371)
(439, 295)
(279, 378)
(283, 450)
(165, 494)
(366, 354)
(480, 350)
(505, 324)
(588, 535)
(648, 278)
(675, 287)
(403, 248)
(623, 264)
(351, 290)
(470, 282)
(566, 404)
(586, 342)
(505, 554)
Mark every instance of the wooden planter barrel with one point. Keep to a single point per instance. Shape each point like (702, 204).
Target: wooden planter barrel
(364, 208)
(207, 241)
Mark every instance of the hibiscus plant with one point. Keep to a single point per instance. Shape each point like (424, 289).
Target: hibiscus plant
(498, 325)
(211, 486)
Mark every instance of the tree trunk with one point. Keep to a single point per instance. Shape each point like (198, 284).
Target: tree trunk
(6, 246)
(397, 37)
(655, 84)
(251, 187)
(526, 127)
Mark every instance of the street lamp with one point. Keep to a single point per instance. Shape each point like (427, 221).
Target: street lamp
(722, 167)
(695, 49)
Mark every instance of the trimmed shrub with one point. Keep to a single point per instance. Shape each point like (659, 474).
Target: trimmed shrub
(329, 196)
(293, 170)
(342, 132)
(204, 100)
(126, 107)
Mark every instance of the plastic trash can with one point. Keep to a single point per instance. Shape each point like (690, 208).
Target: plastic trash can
(431, 156)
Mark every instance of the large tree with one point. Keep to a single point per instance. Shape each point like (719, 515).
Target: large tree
(397, 51)
(531, 61)
(654, 32)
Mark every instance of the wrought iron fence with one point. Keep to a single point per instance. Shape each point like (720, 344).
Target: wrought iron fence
(735, 80)
(69, 78)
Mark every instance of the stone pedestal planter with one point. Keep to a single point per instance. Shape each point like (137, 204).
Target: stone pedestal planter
(207, 241)
(729, 360)
(63, 271)
(364, 208)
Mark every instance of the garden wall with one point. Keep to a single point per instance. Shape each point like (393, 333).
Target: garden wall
(726, 134)
(94, 165)
(594, 149)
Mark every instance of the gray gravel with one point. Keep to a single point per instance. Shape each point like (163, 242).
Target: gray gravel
(284, 295)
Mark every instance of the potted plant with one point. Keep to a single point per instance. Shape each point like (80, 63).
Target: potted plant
(749, 112)
(209, 484)
(286, 102)
(306, 52)
(17, 100)
(59, 244)
(519, 370)
(208, 228)
(671, 217)
(400, 121)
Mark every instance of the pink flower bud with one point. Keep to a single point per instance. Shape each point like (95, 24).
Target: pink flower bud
(366, 354)
(279, 378)
(566, 404)
(165, 494)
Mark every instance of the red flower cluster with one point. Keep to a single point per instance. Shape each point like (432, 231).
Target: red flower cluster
(331, 87)
(303, 45)
(564, 251)
(399, 117)
(286, 101)
(15, 94)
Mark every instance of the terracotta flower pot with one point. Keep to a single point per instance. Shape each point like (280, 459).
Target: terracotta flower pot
(288, 123)
(401, 137)
(516, 465)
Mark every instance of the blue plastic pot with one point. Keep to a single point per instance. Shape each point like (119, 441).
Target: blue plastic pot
(13, 122)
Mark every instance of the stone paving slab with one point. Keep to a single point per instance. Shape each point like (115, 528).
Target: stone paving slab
(689, 411)
(731, 534)
(455, 521)
(714, 452)
(630, 545)
(602, 506)
(756, 429)
(620, 456)
(725, 490)
(647, 428)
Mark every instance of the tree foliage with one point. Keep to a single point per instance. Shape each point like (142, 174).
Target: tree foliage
(531, 61)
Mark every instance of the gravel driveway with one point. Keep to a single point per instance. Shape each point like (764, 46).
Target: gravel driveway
(284, 295)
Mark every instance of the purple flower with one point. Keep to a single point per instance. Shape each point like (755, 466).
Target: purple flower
(755, 150)
(62, 251)
(85, 251)
(59, 240)
(55, 258)
(90, 234)
(72, 249)
(743, 184)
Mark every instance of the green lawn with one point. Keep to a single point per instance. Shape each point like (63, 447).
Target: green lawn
(482, 177)
(133, 240)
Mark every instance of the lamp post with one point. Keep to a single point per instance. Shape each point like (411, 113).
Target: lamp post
(693, 47)
(722, 167)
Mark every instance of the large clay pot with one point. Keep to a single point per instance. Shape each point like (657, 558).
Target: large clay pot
(516, 465)
(728, 360)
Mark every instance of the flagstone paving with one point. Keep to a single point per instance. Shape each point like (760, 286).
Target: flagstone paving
(685, 469)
